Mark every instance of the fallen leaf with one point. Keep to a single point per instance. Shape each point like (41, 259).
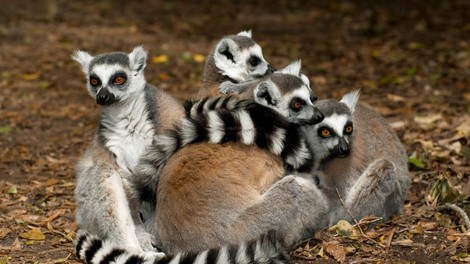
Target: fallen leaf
(344, 228)
(4, 260)
(53, 181)
(199, 58)
(33, 234)
(336, 251)
(12, 190)
(5, 129)
(416, 162)
(160, 59)
(4, 232)
(426, 121)
(163, 76)
(31, 76)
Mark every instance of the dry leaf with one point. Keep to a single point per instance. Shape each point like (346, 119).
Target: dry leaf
(160, 59)
(336, 251)
(33, 234)
(4, 232)
(427, 120)
(4, 260)
(199, 58)
(344, 228)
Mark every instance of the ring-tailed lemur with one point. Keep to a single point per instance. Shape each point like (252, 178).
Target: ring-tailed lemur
(287, 91)
(227, 193)
(132, 111)
(269, 248)
(235, 58)
(217, 120)
(369, 167)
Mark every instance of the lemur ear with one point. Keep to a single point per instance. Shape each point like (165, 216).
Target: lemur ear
(267, 93)
(293, 68)
(138, 59)
(226, 50)
(246, 33)
(351, 99)
(84, 58)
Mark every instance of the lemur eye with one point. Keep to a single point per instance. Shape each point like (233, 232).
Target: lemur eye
(94, 81)
(348, 129)
(119, 80)
(297, 105)
(325, 132)
(254, 61)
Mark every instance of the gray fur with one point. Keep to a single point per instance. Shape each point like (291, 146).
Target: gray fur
(218, 68)
(107, 203)
(120, 58)
(373, 179)
(277, 91)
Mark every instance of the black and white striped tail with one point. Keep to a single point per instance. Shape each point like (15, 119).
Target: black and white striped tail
(227, 118)
(268, 248)
(224, 119)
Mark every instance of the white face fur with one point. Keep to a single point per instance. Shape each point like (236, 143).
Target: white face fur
(238, 63)
(295, 103)
(333, 136)
(113, 77)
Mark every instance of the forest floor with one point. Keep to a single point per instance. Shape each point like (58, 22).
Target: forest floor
(411, 61)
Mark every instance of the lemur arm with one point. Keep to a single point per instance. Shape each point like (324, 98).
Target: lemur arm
(229, 87)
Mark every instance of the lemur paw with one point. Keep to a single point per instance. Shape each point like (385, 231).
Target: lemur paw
(227, 87)
(382, 173)
(153, 255)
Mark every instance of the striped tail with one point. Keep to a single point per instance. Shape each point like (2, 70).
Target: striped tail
(268, 248)
(219, 120)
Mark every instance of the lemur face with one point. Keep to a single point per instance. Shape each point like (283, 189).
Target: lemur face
(240, 58)
(108, 82)
(333, 136)
(288, 92)
(113, 77)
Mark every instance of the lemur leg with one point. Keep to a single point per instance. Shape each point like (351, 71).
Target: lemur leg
(103, 207)
(373, 193)
(291, 206)
(146, 239)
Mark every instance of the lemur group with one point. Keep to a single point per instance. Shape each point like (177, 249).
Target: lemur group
(251, 166)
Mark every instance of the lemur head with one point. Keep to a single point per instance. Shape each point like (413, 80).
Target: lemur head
(333, 136)
(240, 58)
(288, 91)
(113, 77)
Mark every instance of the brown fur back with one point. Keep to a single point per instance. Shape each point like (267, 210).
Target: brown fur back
(204, 188)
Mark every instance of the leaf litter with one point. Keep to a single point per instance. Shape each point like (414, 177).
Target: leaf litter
(413, 71)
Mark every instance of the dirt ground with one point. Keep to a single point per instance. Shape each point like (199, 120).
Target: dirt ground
(411, 60)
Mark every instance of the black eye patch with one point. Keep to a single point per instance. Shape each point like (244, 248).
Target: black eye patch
(118, 78)
(254, 61)
(95, 81)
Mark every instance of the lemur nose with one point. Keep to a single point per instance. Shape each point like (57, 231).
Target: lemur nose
(101, 98)
(344, 150)
(104, 97)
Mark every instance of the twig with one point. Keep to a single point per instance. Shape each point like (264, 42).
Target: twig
(357, 223)
(459, 210)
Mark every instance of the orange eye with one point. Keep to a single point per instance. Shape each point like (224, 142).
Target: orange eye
(325, 133)
(94, 82)
(119, 80)
(297, 105)
(348, 129)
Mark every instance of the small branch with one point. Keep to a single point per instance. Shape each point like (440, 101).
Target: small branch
(460, 211)
(357, 223)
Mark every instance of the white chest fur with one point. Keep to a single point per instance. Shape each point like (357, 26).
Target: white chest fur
(127, 131)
